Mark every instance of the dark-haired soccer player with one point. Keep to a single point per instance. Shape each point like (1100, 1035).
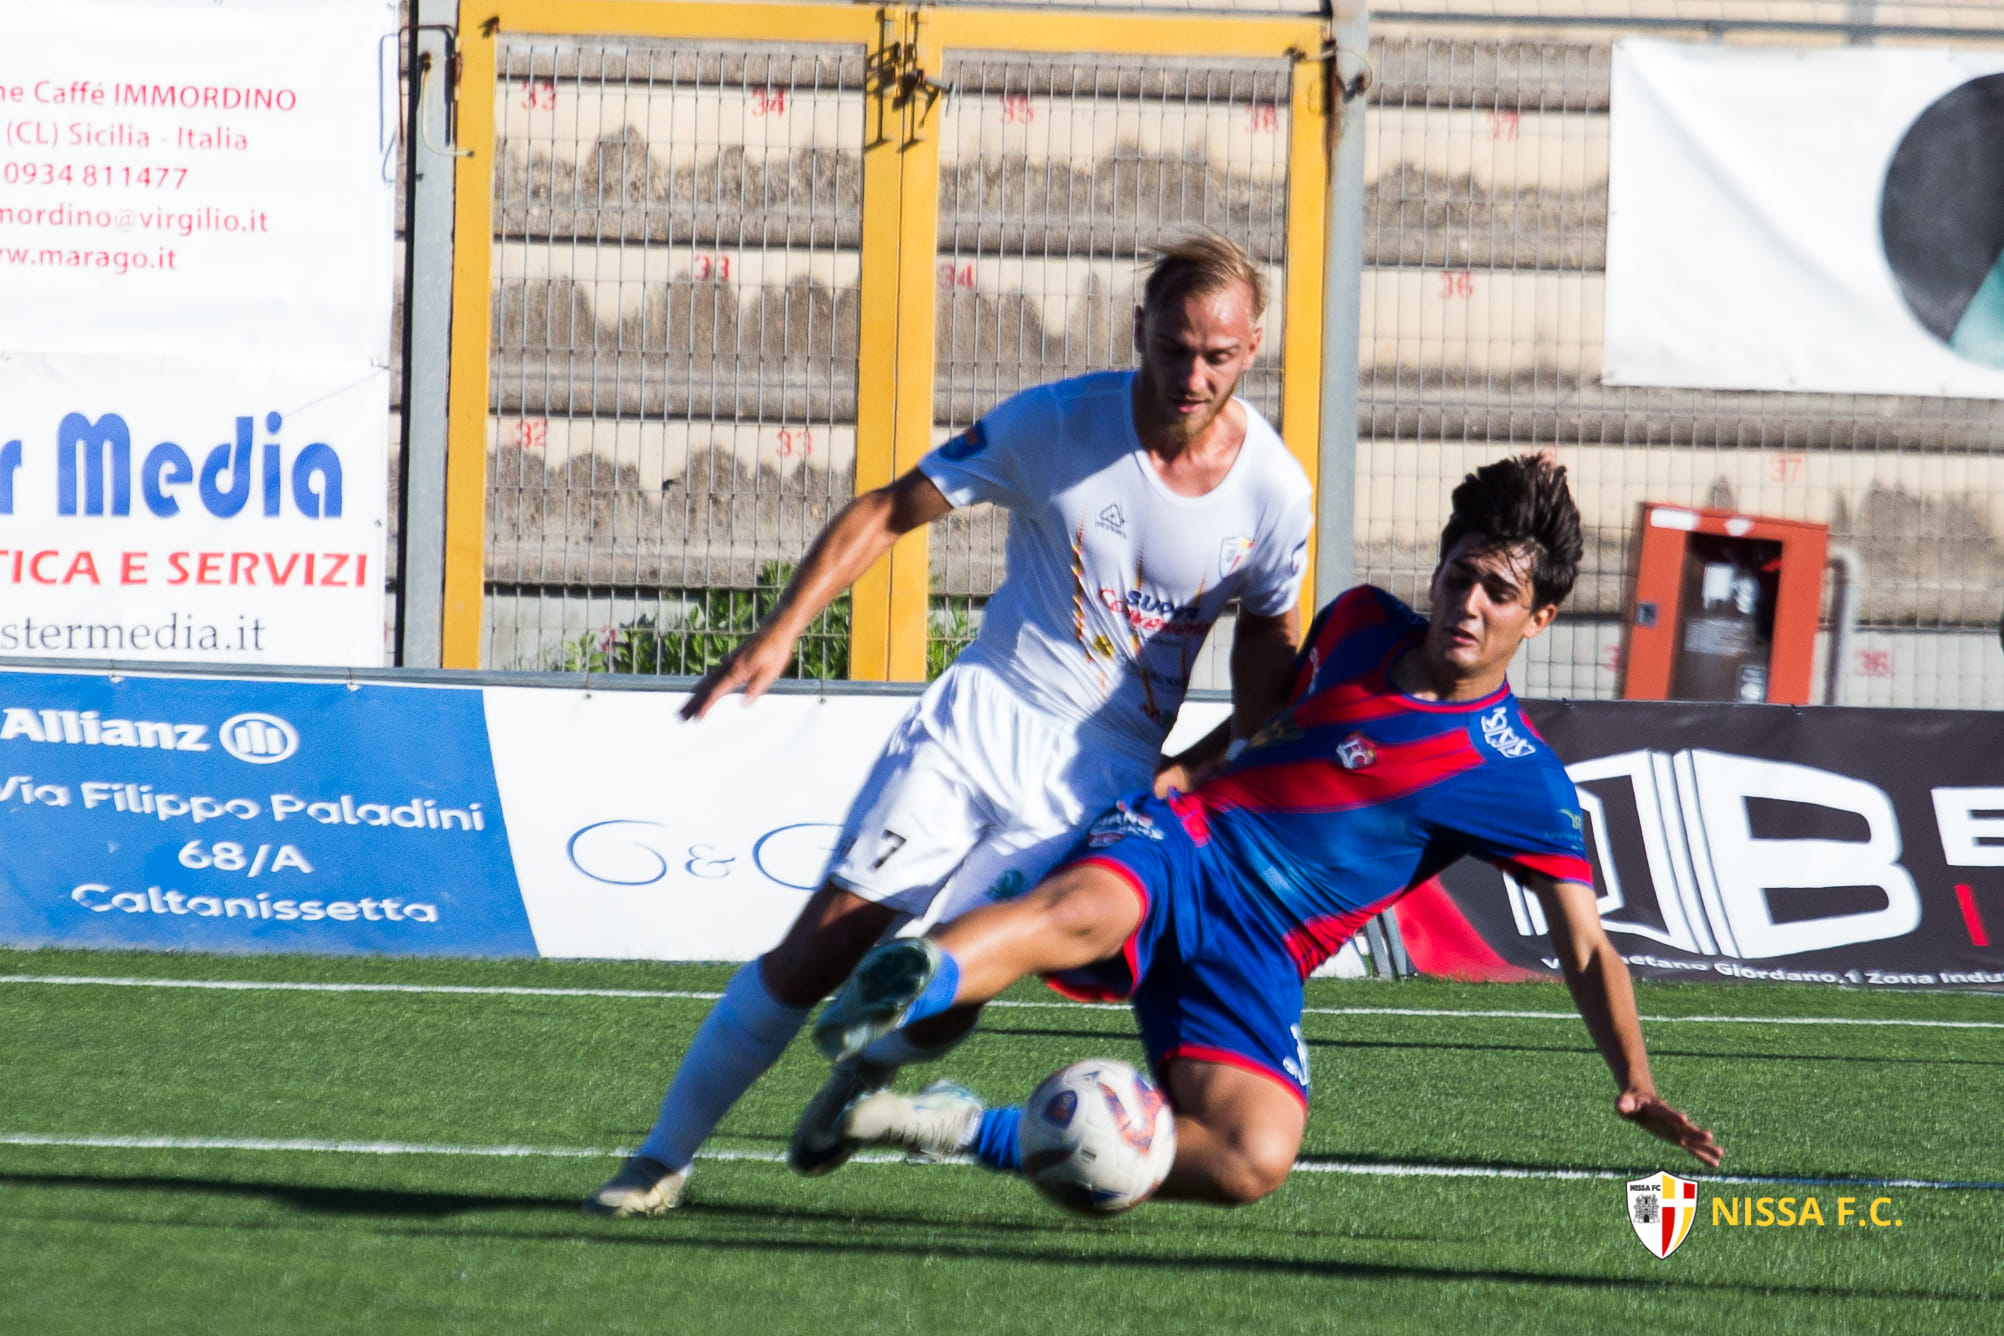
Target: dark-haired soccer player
(1402, 750)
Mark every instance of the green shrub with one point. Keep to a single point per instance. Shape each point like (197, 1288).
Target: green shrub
(698, 627)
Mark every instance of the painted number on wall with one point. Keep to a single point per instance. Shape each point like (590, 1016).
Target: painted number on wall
(1264, 117)
(1457, 284)
(527, 433)
(956, 276)
(795, 444)
(539, 94)
(708, 267)
(1503, 125)
(768, 102)
(1786, 468)
(1875, 663)
(1016, 109)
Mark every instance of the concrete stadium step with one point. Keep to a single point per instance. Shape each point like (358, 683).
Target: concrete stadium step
(1561, 408)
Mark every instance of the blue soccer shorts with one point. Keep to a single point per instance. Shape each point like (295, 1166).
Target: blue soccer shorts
(1208, 978)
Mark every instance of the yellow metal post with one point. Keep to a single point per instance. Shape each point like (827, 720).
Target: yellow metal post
(466, 435)
(1301, 335)
(918, 244)
(871, 601)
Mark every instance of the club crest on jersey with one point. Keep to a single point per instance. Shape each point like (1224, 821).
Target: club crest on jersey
(1356, 752)
(1661, 1208)
(1497, 732)
(1117, 825)
(966, 445)
(1232, 554)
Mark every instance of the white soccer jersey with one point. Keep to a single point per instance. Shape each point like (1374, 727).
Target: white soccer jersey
(1114, 580)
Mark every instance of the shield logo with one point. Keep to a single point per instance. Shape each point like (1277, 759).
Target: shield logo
(1356, 752)
(1231, 553)
(1661, 1207)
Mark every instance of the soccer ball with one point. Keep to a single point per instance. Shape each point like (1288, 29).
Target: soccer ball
(1097, 1137)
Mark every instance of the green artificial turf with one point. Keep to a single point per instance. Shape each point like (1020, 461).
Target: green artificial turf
(97, 1238)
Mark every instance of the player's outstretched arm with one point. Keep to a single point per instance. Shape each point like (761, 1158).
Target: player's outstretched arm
(1605, 996)
(853, 541)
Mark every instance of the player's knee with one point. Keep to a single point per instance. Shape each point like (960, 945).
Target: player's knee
(1085, 905)
(824, 944)
(1071, 915)
(1255, 1168)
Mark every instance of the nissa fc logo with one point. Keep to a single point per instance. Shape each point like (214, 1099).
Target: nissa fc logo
(1661, 1207)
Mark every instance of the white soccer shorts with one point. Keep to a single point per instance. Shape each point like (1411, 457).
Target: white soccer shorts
(977, 795)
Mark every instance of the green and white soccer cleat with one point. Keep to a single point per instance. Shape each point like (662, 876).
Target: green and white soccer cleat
(876, 998)
(642, 1187)
(819, 1145)
(939, 1121)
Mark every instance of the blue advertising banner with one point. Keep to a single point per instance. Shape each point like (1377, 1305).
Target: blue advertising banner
(215, 814)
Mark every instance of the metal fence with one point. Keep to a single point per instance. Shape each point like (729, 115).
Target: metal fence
(1056, 175)
(680, 346)
(675, 326)
(677, 319)
(1484, 250)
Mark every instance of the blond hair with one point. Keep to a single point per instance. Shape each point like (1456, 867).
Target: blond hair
(1198, 264)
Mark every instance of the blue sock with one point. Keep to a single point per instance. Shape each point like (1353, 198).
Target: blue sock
(938, 995)
(995, 1144)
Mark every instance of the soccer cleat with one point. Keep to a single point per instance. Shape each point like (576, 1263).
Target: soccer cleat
(937, 1122)
(819, 1146)
(876, 998)
(641, 1187)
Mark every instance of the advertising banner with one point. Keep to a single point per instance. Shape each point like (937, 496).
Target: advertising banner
(639, 835)
(235, 516)
(213, 815)
(1730, 843)
(1759, 844)
(1827, 220)
(196, 247)
(180, 177)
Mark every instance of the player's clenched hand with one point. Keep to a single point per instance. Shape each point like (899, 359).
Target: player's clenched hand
(1660, 1120)
(751, 668)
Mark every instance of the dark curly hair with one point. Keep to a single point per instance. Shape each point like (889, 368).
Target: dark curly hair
(1522, 502)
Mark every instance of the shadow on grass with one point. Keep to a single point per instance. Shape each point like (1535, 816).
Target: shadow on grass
(303, 1197)
(763, 1228)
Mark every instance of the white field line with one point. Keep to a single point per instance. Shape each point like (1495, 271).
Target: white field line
(892, 1157)
(257, 985)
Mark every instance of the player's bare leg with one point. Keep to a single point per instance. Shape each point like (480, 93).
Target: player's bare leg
(763, 1007)
(1237, 1133)
(1077, 916)
(833, 931)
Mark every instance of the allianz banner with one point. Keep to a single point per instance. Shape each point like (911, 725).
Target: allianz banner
(210, 815)
(1759, 843)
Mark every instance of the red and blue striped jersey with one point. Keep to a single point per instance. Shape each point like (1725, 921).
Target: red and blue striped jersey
(1358, 792)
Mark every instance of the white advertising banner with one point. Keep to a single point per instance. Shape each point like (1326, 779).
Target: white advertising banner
(233, 516)
(196, 250)
(1806, 220)
(638, 836)
(187, 177)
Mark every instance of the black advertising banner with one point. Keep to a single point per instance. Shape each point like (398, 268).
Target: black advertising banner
(1759, 843)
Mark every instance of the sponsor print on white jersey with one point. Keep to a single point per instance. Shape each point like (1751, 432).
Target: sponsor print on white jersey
(1114, 580)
